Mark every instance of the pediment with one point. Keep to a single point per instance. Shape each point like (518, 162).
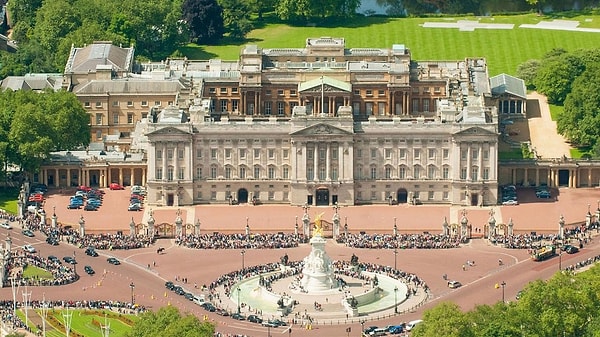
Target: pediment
(168, 131)
(321, 129)
(475, 131)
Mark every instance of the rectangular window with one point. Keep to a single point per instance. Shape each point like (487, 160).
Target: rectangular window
(223, 105)
(169, 154)
(227, 153)
(431, 172)
(268, 92)
(256, 153)
(373, 153)
(431, 153)
(310, 153)
(170, 174)
(415, 105)
(486, 154)
(235, 105)
(463, 154)
(242, 153)
(357, 92)
(144, 103)
(198, 153)
(115, 103)
(213, 153)
(416, 172)
(293, 92)
(475, 153)
(98, 134)
(425, 90)
(381, 93)
(213, 172)
(181, 173)
(286, 154)
(280, 92)
(369, 92)
(271, 171)
(310, 174)
(180, 153)
(426, 105)
(358, 153)
(271, 154)
(388, 153)
(115, 118)
(129, 103)
(486, 173)
(130, 118)
(156, 103)
(159, 154)
(98, 104)
(417, 153)
(198, 172)
(388, 172)
(234, 90)
(286, 173)
(402, 173)
(86, 104)
(445, 172)
(98, 119)
(322, 153)
(402, 154)
(430, 195)
(257, 172)
(212, 90)
(463, 173)
(445, 195)
(228, 172)
(280, 108)
(242, 172)
(268, 108)
(474, 172)
(373, 172)
(223, 90)
(159, 173)
(446, 153)
(436, 90)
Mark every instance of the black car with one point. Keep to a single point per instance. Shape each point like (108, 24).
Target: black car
(571, 250)
(28, 233)
(209, 307)
(90, 251)
(89, 270)
(178, 290)
(53, 259)
(90, 207)
(169, 285)
(113, 261)
(73, 206)
(52, 241)
(239, 317)
(255, 319)
(70, 259)
(189, 296)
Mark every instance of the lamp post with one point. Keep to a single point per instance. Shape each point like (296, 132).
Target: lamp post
(395, 258)
(243, 252)
(132, 286)
(559, 259)
(238, 299)
(396, 299)
(74, 265)
(503, 284)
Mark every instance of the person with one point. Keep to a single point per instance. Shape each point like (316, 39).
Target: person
(500, 262)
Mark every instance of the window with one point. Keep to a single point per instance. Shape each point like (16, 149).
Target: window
(181, 173)
(425, 90)
(129, 118)
(463, 173)
(310, 174)
(227, 153)
(430, 195)
(159, 154)
(373, 153)
(271, 195)
(446, 153)
(129, 103)
(381, 93)
(144, 103)
(334, 173)
(268, 92)
(256, 172)
(445, 172)
(98, 119)
(98, 134)
(234, 90)
(198, 172)
(293, 92)
(213, 153)
(359, 153)
(235, 105)
(322, 153)
(271, 154)
(437, 90)
(373, 172)
(256, 153)
(280, 108)
(268, 108)
(159, 173)
(86, 104)
(402, 154)
(388, 172)
(292, 105)
(321, 173)
(170, 173)
(212, 90)
(415, 90)
(286, 172)
(417, 153)
(486, 173)
(271, 172)
(198, 153)
(310, 153)
(388, 153)
(486, 154)
(228, 172)
(180, 153)
(431, 153)
(357, 91)
(475, 153)
(402, 173)
(169, 154)
(463, 154)
(242, 172)
(242, 153)
(157, 103)
(431, 172)
(223, 90)
(280, 92)
(415, 105)
(474, 171)
(223, 105)
(416, 172)
(425, 105)
(115, 118)
(98, 104)
(115, 103)
(213, 172)
(286, 153)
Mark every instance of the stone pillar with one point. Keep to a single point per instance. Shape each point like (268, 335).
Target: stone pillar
(43, 218)
(561, 227)
(445, 228)
(178, 224)
(328, 163)
(588, 217)
(54, 220)
(132, 228)
(197, 227)
(336, 225)
(8, 246)
(150, 225)
(247, 229)
(492, 223)
(81, 226)
(510, 227)
(306, 225)
(464, 222)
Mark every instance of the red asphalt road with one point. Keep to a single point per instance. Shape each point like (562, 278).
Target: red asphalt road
(204, 266)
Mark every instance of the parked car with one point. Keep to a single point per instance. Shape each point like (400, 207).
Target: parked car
(255, 319)
(89, 270)
(238, 316)
(70, 260)
(543, 194)
(169, 285)
(571, 249)
(510, 203)
(113, 261)
(54, 259)
(410, 325)
(134, 207)
(73, 206)
(51, 240)
(116, 186)
(27, 233)
(454, 284)
(90, 207)
(5, 225)
(90, 251)
(209, 307)
(29, 248)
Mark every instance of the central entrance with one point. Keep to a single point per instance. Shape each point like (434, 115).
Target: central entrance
(322, 197)
(242, 195)
(402, 196)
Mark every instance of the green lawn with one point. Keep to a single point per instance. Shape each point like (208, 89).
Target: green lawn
(36, 273)
(556, 110)
(8, 199)
(504, 49)
(83, 322)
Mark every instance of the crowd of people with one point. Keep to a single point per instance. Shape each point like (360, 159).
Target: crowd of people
(4, 215)
(241, 241)
(20, 259)
(400, 241)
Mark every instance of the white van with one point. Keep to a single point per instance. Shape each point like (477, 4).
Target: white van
(410, 325)
(198, 299)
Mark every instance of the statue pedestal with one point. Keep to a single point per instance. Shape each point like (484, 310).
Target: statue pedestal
(318, 269)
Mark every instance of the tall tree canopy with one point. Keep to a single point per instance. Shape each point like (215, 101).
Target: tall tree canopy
(168, 322)
(204, 19)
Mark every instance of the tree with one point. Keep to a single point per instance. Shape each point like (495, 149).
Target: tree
(555, 76)
(168, 322)
(204, 19)
(236, 17)
(445, 319)
(527, 71)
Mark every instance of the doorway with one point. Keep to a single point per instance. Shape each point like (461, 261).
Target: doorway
(474, 199)
(402, 196)
(242, 195)
(322, 197)
(334, 199)
(563, 178)
(309, 199)
(170, 199)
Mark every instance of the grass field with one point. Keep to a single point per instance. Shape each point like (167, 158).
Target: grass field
(504, 49)
(8, 199)
(36, 273)
(83, 322)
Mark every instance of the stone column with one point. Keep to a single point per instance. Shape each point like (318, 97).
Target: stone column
(178, 224)
(492, 223)
(510, 227)
(81, 226)
(306, 224)
(336, 225)
(445, 228)
(197, 227)
(561, 227)
(588, 217)
(132, 228)
(328, 162)
(316, 162)
(151, 225)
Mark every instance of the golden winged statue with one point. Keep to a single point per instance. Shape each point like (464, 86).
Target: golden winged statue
(318, 229)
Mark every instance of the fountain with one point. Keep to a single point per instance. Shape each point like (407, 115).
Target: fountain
(318, 269)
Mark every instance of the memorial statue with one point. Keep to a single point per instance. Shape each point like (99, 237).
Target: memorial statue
(318, 229)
